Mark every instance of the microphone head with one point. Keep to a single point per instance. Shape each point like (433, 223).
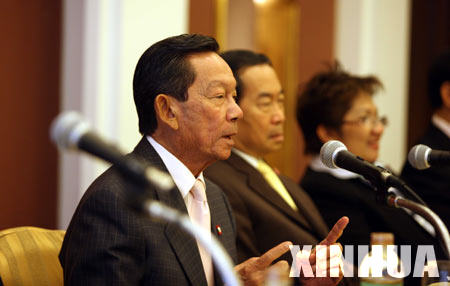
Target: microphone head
(67, 129)
(418, 156)
(329, 151)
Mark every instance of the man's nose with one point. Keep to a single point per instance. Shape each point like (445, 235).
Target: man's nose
(234, 111)
(278, 115)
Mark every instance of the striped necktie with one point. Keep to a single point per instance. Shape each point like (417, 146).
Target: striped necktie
(199, 212)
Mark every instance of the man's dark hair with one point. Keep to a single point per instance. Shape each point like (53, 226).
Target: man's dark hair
(438, 73)
(326, 98)
(164, 69)
(238, 60)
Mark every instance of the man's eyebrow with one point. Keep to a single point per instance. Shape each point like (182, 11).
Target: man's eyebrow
(267, 94)
(264, 95)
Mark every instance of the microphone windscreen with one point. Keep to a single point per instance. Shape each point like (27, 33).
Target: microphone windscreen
(418, 156)
(329, 151)
(67, 128)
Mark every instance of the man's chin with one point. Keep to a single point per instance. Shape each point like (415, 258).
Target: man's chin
(276, 147)
(223, 155)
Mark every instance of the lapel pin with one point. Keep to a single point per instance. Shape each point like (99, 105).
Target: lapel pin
(219, 229)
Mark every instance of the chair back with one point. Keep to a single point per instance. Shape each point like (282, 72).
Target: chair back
(29, 256)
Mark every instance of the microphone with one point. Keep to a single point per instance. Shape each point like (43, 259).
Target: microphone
(70, 131)
(334, 154)
(422, 157)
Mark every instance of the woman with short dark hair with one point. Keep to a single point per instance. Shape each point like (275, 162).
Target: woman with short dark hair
(335, 105)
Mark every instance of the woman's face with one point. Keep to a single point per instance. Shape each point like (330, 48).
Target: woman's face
(361, 128)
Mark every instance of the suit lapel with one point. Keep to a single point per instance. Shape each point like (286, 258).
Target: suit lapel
(184, 246)
(315, 221)
(259, 184)
(218, 218)
(215, 220)
(214, 202)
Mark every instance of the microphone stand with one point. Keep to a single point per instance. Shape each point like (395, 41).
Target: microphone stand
(67, 130)
(397, 183)
(383, 181)
(426, 213)
(219, 255)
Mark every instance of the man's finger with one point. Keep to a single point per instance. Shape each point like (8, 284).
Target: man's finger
(281, 266)
(267, 258)
(336, 231)
(278, 274)
(312, 257)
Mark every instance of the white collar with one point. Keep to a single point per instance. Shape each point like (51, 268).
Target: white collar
(317, 165)
(441, 124)
(253, 161)
(182, 176)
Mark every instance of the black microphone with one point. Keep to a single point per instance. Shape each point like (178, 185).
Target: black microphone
(70, 131)
(423, 157)
(334, 154)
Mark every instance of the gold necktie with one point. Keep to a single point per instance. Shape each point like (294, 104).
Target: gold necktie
(275, 182)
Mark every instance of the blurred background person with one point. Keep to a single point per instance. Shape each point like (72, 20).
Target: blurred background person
(268, 207)
(335, 105)
(72, 68)
(433, 184)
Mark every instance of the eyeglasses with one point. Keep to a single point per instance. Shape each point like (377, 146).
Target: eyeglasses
(369, 121)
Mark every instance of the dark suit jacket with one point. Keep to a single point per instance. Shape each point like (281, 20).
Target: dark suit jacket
(263, 218)
(108, 243)
(356, 199)
(432, 184)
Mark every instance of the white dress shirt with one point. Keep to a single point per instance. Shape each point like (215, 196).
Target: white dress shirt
(182, 176)
(185, 180)
(441, 124)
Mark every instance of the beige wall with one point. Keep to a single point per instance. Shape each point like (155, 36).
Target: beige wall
(372, 37)
(103, 41)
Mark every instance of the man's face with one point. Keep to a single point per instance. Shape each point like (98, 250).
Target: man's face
(208, 119)
(262, 101)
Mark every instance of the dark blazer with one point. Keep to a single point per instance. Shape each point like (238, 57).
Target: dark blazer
(356, 199)
(108, 243)
(263, 218)
(432, 184)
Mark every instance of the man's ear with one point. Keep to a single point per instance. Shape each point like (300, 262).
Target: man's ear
(326, 134)
(445, 93)
(165, 108)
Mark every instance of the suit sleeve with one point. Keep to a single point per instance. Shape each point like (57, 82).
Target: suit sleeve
(104, 245)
